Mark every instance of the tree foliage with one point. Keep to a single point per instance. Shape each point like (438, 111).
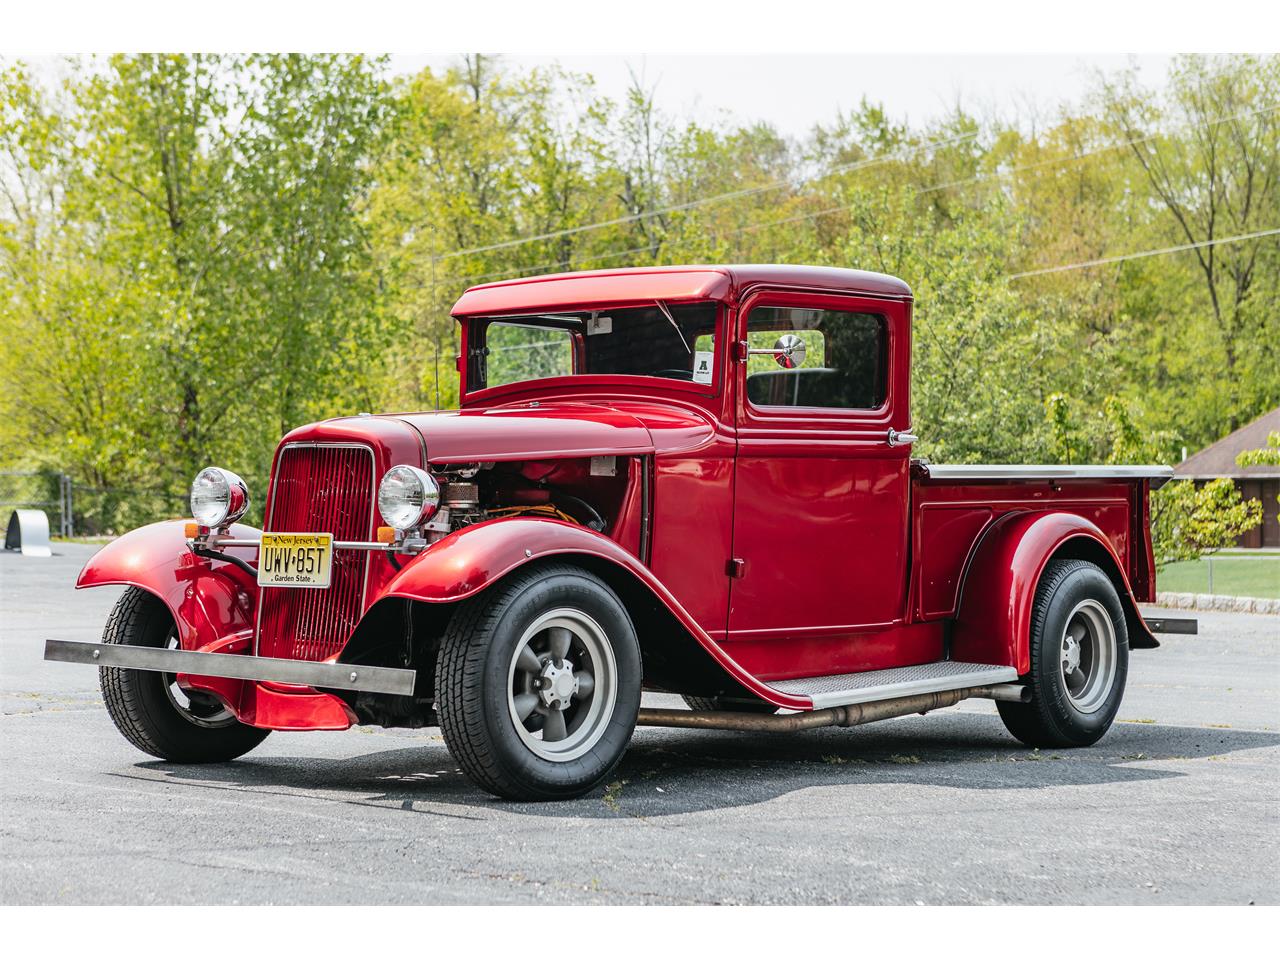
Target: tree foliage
(1265, 456)
(198, 253)
(1188, 521)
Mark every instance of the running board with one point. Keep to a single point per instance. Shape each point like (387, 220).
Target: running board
(871, 686)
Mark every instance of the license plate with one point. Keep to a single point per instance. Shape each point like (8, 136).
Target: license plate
(295, 560)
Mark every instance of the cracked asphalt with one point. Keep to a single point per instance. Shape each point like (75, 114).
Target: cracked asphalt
(1177, 804)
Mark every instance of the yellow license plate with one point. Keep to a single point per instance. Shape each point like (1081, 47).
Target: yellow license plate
(295, 560)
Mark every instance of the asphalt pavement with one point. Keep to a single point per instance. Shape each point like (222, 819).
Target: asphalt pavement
(1177, 804)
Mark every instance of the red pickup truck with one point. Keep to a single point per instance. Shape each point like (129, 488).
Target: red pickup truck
(690, 479)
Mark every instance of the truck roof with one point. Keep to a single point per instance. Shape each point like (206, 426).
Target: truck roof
(603, 288)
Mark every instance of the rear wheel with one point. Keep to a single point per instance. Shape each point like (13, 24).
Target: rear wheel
(538, 684)
(150, 709)
(1079, 659)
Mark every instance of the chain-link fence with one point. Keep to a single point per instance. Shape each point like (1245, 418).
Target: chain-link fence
(77, 509)
(47, 490)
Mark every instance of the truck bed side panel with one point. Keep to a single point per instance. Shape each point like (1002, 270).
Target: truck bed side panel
(950, 519)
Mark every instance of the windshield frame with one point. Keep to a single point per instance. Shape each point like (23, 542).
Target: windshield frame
(636, 383)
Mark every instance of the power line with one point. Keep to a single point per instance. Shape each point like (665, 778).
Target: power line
(1102, 261)
(533, 269)
(992, 175)
(702, 201)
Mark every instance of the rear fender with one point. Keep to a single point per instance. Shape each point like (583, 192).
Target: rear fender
(212, 603)
(993, 624)
(465, 563)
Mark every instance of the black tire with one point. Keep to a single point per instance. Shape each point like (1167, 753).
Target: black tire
(742, 705)
(1076, 596)
(143, 708)
(477, 672)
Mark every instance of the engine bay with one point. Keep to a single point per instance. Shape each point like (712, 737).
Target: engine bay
(587, 491)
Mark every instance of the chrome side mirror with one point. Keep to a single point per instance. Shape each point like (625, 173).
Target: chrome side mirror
(788, 351)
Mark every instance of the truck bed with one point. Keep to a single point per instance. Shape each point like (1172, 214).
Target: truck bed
(955, 505)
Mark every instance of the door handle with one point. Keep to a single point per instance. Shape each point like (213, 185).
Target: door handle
(898, 438)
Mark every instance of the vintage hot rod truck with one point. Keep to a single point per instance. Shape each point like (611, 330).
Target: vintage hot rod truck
(691, 479)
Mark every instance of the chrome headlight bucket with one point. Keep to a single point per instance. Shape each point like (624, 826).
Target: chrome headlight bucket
(407, 497)
(218, 497)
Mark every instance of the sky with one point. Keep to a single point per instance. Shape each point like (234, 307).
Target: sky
(794, 92)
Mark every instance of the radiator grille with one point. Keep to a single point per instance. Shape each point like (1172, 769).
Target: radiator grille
(319, 489)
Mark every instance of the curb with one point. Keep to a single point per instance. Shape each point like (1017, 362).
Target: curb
(1213, 601)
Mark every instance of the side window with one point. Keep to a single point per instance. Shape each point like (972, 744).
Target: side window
(516, 352)
(842, 358)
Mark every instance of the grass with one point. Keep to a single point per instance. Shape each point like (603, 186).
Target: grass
(613, 794)
(1233, 576)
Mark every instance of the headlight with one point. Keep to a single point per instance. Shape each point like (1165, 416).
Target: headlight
(407, 496)
(218, 497)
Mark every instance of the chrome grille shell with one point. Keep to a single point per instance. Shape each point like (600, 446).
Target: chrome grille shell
(322, 487)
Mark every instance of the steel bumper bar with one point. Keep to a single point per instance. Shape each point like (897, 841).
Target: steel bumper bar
(1188, 625)
(334, 676)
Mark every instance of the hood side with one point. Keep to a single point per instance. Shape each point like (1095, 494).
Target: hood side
(530, 431)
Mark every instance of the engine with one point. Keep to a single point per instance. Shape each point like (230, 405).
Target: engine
(582, 491)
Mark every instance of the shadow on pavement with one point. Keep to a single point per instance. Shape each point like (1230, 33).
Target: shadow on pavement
(668, 773)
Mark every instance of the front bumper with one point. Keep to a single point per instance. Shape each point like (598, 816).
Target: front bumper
(333, 676)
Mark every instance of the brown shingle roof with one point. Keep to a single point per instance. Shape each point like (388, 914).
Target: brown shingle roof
(1219, 459)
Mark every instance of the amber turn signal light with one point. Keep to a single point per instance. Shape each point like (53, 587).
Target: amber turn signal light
(386, 534)
(191, 530)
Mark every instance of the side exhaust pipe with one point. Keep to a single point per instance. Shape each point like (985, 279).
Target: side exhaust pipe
(848, 716)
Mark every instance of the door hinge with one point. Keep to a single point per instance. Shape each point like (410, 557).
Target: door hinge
(736, 567)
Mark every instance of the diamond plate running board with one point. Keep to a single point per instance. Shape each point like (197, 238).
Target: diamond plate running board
(842, 689)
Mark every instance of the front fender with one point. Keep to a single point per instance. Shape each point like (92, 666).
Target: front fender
(210, 601)
(466, 562)
(993, 623)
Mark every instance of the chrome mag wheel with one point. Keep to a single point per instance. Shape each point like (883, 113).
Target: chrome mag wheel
(201, 709)
(562, 685)
(1088, 660)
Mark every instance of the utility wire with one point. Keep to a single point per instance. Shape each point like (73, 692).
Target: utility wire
(1102, 261)
(980, 178)
(995, 174)
(702, 201)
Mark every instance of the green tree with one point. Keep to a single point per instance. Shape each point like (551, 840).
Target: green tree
(1265, 456)
(1189, 521)
(1209, 148)
(195, 280)
(198, 253)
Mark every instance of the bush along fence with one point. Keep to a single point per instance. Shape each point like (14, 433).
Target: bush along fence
(80, 510)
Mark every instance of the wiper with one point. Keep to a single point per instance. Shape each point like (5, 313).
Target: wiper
(674, 326)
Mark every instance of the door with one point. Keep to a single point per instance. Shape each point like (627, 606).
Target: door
(820, 528)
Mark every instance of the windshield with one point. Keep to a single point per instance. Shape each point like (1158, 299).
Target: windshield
(672, 341)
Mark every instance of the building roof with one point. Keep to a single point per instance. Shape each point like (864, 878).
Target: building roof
(645, 284)
(1219, 459)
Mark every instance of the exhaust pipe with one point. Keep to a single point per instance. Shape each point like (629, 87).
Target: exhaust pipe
(849, 716)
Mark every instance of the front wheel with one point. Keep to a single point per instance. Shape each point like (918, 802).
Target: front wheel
(538, 684)
(152, 711)
(1079, 659)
